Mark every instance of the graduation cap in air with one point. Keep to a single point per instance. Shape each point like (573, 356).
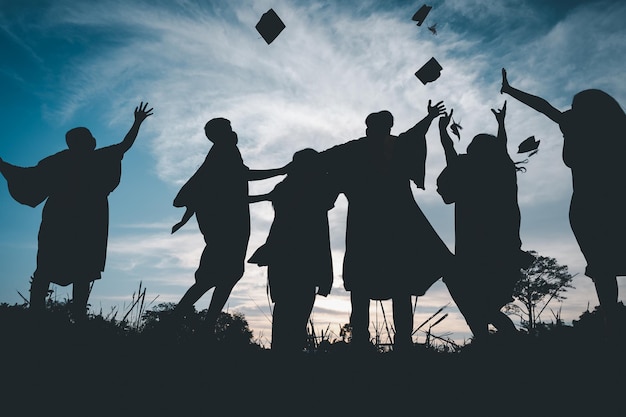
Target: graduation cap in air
(455, 127)
(429, 72)
(421, 14)
(270, 26)
(529, 144)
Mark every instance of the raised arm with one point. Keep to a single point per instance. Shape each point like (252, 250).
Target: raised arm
(446, 140)
(433, 112)
(534, 102)
(141, 113)
(500, 118)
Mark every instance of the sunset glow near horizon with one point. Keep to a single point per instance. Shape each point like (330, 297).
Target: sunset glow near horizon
(68, 64)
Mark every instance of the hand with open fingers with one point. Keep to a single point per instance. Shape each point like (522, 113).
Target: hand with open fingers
(142, 112)
(436, 110)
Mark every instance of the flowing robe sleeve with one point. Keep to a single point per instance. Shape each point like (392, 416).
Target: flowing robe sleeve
(28, 186)
(411, 153)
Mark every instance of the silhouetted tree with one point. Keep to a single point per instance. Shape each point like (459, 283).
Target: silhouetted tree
(229, 328)
(540, 284)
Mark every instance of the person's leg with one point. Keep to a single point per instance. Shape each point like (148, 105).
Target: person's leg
(467, 303)
(607, 291)
(202, 284)
(289, 321)
(80, 295)
(403, 321)
(277, 343)
(359, 319)
(218, 301)
(191, 296)
(288, 335)
(302, 313)
(38, 292)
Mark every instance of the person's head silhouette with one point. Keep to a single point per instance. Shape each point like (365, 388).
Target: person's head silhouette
(305, 162)
(219, 131)
(80, 139)
(482, 147)
(596, 104)
(594, 114)
(379, 123)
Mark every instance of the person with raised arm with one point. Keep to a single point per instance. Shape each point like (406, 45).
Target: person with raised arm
(73, 235)
(392, 251)
(482, 185)
(594, 145)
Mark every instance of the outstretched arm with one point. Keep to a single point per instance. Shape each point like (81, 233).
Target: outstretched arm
(500, 118)
(534, 102)
(257, 198)
(141, 113)
(433, 112)
(261, 174)
(446, 140)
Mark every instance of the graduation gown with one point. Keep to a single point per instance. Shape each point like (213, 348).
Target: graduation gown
(391, 248)
(218, 194)
(73, 235)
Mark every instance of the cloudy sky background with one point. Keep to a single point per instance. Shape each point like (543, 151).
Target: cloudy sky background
(68, 64)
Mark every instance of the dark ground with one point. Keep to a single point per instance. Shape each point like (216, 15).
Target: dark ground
(85, 371)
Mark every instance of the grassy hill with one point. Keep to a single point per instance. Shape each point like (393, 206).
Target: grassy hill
(53, 366)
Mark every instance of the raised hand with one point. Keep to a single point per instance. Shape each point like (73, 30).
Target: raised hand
(505, 83)
(444, 120)
(141, 113)
(436, 110)
(500, 113)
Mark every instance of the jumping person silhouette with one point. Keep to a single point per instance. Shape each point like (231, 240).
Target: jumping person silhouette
(217, 193)
(73, 234)
(593, 148)
(482, 184)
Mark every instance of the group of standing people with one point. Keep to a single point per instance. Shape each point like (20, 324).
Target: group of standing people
(391, 250)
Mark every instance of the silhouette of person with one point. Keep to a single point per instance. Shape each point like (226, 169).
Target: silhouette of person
(482, 184)
(297, 250)
(73, 234)
(392, 251)
(593, 149)
(217, 193)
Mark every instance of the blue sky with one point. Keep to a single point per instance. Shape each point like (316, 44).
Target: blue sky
(68, 64)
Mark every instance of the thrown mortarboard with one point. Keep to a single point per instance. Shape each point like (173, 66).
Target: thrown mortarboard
(528, 144)
(455, 127)
(429, 72)
(270, 26)
(421, 14)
